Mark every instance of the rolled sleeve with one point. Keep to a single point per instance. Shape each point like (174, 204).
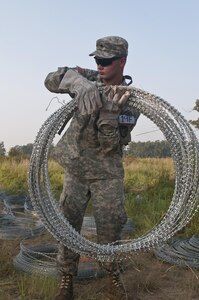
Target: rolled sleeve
(54, 79)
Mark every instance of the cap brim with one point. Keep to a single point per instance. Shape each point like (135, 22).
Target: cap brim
(101, 54)
(92, 54)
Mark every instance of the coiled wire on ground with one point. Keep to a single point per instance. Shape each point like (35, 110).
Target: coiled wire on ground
(17, 219)
(41, 260)
(184, 253)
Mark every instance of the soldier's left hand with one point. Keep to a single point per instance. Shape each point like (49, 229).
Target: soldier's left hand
(117, 94)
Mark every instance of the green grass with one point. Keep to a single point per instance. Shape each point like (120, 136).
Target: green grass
(28, 286)
(14, 176)
(149, 185)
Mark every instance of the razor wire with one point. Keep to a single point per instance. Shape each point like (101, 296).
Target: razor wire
(19, 226)
(41, 260)
(89, 227)
(184, 253)
(17, 220)
(184, 203)
(37, 259)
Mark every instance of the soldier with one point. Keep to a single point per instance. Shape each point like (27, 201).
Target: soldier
(91, 152)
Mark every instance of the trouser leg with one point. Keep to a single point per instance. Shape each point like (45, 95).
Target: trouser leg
(108, 209)
(73, 202)
(110, 216)
(109, 212)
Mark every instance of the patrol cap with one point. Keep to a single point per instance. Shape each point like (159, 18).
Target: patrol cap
(111, 46)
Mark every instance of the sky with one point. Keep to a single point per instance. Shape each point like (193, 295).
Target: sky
(37, 37)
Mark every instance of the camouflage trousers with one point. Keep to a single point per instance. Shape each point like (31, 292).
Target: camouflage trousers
(107, 198)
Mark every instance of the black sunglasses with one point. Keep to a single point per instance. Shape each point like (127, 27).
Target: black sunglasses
(104, 62)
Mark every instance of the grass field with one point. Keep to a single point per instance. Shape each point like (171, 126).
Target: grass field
(149, 185)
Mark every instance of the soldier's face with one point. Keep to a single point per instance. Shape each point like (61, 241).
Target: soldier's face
(113, 70)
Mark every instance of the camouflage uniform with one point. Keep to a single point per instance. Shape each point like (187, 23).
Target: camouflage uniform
(91, 153)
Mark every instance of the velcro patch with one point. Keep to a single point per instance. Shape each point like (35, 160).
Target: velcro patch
(126, 119)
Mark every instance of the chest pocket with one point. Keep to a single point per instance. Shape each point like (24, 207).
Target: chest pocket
(126, 123)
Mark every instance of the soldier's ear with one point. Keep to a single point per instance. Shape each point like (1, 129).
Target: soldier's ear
(123, 60)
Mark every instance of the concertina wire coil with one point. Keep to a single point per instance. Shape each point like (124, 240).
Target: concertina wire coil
(184, 203)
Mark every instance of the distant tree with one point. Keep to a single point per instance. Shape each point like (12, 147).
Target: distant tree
(24, 151)
(2, 149)
(21, 151)
(149, 149)
(15, 152)
(195, 123)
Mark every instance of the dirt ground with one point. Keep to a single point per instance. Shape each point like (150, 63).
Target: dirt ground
(145, 278)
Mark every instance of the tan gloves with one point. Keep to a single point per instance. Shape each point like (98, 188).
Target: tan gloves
(86, 92)
(116, 96)
(87, 95)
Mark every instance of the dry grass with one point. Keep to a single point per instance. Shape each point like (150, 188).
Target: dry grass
(144, 173)
(13, 176)
(145, 278)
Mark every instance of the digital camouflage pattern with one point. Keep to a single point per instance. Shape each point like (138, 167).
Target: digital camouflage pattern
(91, 153)
(111, 46)
(92, 145)
(53, 79)
(107, 198)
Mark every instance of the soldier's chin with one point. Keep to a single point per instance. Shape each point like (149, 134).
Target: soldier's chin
(101, 75)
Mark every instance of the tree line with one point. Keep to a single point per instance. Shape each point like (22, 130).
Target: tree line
(17, 151)
(158, 149)
(137, 149)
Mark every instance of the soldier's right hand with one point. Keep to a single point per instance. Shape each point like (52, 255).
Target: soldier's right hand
(86, 92)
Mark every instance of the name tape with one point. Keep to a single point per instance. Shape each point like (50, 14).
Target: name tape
(126, 119)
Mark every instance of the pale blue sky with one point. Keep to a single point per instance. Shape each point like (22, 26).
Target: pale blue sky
(38, 36)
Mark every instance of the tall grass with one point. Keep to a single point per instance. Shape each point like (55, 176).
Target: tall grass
(149, 185)
(14, 176)
(144, 173)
